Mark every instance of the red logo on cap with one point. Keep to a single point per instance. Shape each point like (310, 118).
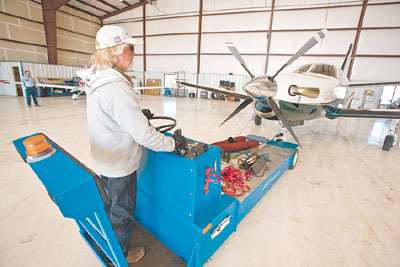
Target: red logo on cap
(117, 39)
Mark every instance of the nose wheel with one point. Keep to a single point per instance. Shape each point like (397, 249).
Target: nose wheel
(391, 138)
(257, 120)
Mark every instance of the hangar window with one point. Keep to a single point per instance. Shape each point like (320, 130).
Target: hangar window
(324, 69)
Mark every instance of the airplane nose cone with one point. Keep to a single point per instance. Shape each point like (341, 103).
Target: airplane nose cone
(260, 88)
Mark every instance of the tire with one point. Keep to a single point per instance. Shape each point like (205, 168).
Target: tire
(257, 120)
(388, 143)
(295, 159)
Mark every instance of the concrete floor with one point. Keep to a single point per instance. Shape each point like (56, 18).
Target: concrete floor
(339, 207)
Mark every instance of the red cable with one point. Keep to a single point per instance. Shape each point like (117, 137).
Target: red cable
(234, 179)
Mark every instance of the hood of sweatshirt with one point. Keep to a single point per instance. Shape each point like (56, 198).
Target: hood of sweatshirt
(95, 79)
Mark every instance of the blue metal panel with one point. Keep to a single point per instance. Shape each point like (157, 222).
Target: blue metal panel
(74, 190)
(66, 182)
(252, 199)
(178, 183)
(173, 206)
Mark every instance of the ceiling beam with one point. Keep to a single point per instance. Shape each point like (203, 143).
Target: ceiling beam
(144, 45)
(83, 11)
(108, 4)
(360, 23)
(141, 3)
(126, 3)
(199, 41)
(58, 3)
(49, 8)
(92, 6)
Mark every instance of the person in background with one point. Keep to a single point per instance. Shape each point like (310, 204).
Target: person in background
(30, 88)
(118, 129)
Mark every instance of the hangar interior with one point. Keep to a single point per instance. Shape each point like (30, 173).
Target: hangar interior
(340, 206)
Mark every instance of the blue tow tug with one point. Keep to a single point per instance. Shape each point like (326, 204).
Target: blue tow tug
(179, 200)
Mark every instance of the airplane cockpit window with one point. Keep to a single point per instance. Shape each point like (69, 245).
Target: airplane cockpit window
(324, 69)
(303, 69)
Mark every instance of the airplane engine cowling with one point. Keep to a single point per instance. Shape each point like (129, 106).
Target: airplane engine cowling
(263, 110)
(260, 88)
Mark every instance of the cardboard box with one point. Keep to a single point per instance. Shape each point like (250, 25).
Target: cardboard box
(152, 83)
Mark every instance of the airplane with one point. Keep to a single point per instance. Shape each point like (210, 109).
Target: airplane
(76, 90)
(306, 93)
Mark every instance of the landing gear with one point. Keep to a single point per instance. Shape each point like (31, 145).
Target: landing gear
(257, 120)
(391, 138)
(279, 137)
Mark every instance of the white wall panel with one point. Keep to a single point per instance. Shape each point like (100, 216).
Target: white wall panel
(172, 7)
(376, 69)
(133, 28)
(336, 42)
(171, 44)
(382, 16)
(228, 64)
(297, 3)
(171, 63)
(236, 22)
(305, 19)
(244, 42)
(342, 17)
(176, 25)
(379, 42)
(138, 63)
(130, 14)
(234, 4)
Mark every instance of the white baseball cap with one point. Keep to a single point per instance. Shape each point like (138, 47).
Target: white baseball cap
(109, 36)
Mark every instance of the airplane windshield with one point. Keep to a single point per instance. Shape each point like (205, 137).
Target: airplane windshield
(303, 69)
(324, 69)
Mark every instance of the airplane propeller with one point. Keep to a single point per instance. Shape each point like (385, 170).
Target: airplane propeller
(242, 105)
(307, 46)
(237, 55)
(282, 118)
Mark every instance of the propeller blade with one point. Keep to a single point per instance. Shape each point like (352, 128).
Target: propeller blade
(242, 105)
(237, 55)
(282, 118)
(347, 57)
(307, 46)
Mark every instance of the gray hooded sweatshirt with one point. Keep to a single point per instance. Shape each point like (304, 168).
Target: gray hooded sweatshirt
(116, 125)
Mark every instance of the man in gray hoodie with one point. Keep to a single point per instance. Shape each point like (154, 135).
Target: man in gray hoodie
(118, 129)
(30, 88)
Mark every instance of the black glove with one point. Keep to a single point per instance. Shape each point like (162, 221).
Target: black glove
(180, 141)
(148, 113)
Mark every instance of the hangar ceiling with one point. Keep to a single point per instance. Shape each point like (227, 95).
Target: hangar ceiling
(104, 8)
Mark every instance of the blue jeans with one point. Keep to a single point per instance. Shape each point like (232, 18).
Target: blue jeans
(31, 91)
(120, 206)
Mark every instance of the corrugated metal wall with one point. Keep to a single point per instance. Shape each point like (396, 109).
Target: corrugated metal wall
(206, 79)
(51, 71)
(37, 70)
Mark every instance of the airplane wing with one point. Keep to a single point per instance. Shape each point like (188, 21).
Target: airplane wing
(372, 84)
(71, 88)
(333, 113)
(151, 87)
(216, 90)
